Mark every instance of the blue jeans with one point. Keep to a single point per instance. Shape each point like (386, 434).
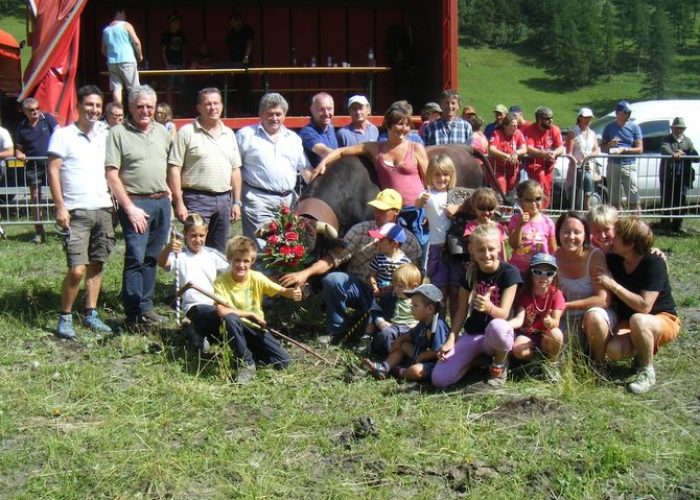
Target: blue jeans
(216, 208)
(254, 346)
(141, 254)
(340, 291)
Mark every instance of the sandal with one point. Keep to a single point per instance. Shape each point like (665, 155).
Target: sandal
(375, 368)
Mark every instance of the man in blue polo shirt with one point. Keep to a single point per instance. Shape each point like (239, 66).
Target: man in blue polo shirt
(318, 137)
(360, 129)
(32, 140)
(451, 128)
(622, 137)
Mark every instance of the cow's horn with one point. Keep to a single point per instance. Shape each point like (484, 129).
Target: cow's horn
(326, 229)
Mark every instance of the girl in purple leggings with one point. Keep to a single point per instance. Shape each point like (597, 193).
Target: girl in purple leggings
(485, 299)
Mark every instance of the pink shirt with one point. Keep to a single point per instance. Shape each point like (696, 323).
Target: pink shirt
(404, 177)
(535, 238)
(536, 308)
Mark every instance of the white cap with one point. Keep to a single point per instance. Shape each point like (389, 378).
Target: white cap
(358, 99)
(585, 112)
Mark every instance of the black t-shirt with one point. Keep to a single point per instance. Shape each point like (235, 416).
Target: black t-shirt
(236, 42)
(504, 277)
(174, 44)
(650, 275)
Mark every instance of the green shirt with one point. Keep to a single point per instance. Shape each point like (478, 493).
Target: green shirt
(140, 157)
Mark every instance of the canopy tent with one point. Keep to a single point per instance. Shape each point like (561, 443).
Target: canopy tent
(50, 75)
(9, 64)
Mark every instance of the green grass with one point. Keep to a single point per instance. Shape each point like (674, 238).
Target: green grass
(15, 26)
(491, 76)
(138, 416)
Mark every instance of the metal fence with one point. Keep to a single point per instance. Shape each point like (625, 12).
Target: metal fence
(661, 187)
(647, 185)
(25, 197)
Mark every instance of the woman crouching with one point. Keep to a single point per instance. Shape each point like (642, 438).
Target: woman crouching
(641, 290)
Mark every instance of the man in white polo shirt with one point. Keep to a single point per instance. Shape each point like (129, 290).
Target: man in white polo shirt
(204, 170)
(83, 207)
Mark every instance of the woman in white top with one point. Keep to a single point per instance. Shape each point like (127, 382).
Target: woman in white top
(581, 142)
(579, 263)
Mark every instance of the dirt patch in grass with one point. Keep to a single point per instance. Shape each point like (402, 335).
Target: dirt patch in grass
(520, 409)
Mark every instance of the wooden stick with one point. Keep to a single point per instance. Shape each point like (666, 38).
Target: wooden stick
(275, 333)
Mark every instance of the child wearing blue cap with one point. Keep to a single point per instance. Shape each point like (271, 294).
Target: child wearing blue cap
(540, 308)
(413, 355)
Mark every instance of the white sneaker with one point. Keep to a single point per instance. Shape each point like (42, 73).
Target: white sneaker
(646, 377)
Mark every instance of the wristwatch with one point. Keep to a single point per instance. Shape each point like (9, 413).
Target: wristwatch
(238, 202)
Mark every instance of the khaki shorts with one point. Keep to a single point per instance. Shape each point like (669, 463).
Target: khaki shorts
(123, 75)
(91, 237)
(669, 332)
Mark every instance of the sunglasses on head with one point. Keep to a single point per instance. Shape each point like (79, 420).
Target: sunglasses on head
(541, 272)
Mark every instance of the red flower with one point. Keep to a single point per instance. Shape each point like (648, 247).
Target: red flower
(298, 251)
(273, 240)
(288, 226)
(285, 250)
(273, 227)
(285, 210)
(268, 250)
(291, 236)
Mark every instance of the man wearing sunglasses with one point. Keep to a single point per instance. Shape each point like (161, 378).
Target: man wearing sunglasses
(544, 146)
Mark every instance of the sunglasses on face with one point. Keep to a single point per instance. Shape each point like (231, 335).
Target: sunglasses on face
(541, 273)
(31, 110)
(548, 118)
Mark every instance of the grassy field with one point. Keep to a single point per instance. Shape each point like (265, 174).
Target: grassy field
(141, 417)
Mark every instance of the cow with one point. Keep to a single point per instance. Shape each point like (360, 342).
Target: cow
(338, 199)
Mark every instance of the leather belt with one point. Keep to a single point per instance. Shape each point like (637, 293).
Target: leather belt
(207, 193)
(152, 196)
(281, 194)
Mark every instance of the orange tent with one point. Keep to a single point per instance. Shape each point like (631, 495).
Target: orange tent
(10, 70)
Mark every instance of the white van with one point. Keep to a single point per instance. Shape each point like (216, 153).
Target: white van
(654, 119)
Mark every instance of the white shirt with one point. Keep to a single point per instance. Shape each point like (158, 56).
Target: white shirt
(5, 141)
(438, 222)
(268, 164)
(201, 269)
(83, 179)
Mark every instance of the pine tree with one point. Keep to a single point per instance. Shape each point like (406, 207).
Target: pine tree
(659, 63)
(609, 38)
(640, 34)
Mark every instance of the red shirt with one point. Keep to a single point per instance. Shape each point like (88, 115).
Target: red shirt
(536, 308)
(549, 139)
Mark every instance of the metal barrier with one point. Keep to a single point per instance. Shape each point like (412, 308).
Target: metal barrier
(25, 197)
(651, 186)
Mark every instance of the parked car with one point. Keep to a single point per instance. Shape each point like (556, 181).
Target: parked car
(654, 118)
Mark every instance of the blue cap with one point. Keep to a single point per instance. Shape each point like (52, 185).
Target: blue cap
(543, 259)
(389, 230)
(515, 109)
(623, 106)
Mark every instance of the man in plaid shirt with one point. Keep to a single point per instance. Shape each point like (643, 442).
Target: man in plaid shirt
(451, 128)
(349, 288)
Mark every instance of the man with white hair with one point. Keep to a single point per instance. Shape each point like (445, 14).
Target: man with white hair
(318, 137)
(136, 159)
(272, 158)
(360, 129)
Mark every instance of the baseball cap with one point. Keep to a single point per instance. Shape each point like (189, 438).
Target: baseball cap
(358, 99)
(543, 259)
(515, 109)
(387, 199)
(623, 106)
(500, 108)
(390, 230)
(430, 292)
(432, 107)
(585, 113)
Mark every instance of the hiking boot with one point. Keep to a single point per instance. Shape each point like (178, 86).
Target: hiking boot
(152, 318)
(551, 372)
(329, 340)
(39, 238)
(498, 374)
(245, 375)
(65, 330)
(646, 377)
(94, 323)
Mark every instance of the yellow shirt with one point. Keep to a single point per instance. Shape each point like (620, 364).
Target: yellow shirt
(246, 295)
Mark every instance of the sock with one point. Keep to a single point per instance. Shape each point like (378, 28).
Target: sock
(88, 311)
(66, 313)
